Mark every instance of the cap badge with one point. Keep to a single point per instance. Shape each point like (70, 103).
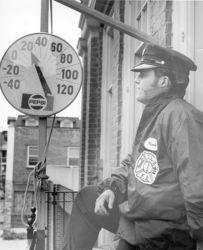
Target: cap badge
(160, 62)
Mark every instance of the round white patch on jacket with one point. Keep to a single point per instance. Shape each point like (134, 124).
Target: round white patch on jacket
(151, 144)
(146, 167)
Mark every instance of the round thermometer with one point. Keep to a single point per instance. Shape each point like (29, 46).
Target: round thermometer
(40, 74)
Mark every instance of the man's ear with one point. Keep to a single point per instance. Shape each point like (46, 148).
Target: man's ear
(164, 82)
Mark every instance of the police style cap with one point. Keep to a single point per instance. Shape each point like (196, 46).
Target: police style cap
(155, 56)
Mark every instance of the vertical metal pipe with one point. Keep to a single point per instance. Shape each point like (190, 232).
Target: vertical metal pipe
(44, 25)
(42, 142)
(48, 225)
(64, 197)
(54, 217)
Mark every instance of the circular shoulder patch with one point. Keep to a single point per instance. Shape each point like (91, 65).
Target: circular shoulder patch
(146, 167)
(151, 144)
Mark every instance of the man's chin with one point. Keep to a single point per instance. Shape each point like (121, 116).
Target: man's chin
(140, 99)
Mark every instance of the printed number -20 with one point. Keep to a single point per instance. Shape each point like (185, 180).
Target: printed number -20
(64, 89)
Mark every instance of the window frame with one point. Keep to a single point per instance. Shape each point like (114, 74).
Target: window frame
(68, 156)
(33, 155)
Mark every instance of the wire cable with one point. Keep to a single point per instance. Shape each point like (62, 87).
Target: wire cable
(43, 161)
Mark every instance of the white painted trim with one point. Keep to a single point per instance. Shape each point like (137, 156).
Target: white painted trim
(10, 152)
(106, 104)
(132, 109)
(9, 175)
(183, 36)
(128, 83)
(191, 46)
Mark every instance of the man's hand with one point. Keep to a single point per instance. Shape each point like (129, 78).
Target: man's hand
(104, 202)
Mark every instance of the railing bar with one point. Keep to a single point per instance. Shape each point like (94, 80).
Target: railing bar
(64, 213)
(48, 207)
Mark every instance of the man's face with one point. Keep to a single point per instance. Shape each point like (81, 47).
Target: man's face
(147, 86)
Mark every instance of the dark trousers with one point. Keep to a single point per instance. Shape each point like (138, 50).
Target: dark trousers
(84, 226)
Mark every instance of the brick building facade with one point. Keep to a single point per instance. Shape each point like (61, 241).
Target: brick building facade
(94, 48)
(3, 152)
(62, 165)
(110, 114)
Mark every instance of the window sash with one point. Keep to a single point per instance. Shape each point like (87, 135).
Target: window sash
(73, 155)
(32, 156)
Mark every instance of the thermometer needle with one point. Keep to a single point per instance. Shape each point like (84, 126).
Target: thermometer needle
(35, 61)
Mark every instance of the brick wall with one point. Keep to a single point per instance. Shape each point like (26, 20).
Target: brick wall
(83, 124)
(57, 155)
(8, 205)
(24, 136)
(90, 143)
(90, 160)
(93, 121)
(61, 217)
(57, 152)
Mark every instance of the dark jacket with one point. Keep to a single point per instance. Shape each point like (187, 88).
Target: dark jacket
(160, 184)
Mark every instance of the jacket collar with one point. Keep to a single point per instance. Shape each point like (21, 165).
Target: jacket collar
(151, 112)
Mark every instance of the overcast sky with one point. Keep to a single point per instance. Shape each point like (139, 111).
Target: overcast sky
(22, 17)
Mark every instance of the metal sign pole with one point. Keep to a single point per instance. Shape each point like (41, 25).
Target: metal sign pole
(127, 29)
(42, 142)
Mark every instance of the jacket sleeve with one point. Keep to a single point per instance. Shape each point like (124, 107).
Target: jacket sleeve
(118, 181)
(186, 151)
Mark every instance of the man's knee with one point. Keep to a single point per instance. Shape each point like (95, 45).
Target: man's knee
(86, 198)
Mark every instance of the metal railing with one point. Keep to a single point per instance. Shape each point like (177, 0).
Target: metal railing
(57, 199)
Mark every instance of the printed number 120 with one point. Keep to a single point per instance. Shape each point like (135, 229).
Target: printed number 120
(64, 89)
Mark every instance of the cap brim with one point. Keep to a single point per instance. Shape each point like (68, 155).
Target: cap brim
(143, 66)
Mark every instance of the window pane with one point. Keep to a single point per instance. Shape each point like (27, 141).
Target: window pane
(33, 150)
(74, 152)
(73, 162)
(33, 160)
(32, 156)
(73, 156)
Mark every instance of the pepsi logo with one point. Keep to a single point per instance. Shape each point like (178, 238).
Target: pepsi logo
(37, 102)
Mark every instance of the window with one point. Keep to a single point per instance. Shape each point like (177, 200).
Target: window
(32, 156)
(142, 16)
(31, 122)
(142, 21)
(73, 156)
(66, 123)
(139, 16)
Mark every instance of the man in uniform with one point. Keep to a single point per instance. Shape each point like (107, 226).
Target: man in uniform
(154, 200)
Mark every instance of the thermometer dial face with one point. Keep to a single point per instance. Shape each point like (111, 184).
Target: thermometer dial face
(40, 74)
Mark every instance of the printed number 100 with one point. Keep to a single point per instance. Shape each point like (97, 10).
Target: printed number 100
(64, 89)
